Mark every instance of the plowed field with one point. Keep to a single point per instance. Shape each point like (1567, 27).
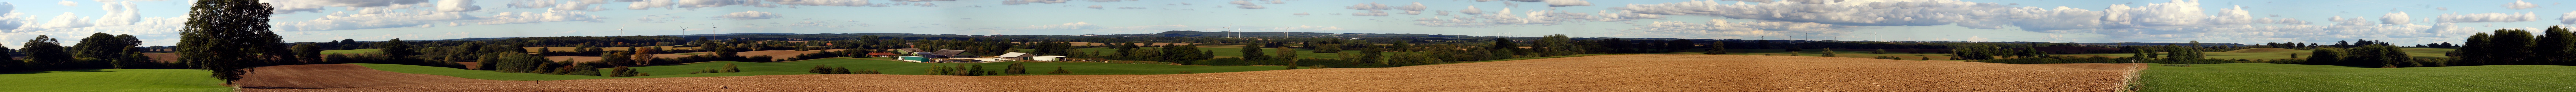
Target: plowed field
(1704, 73)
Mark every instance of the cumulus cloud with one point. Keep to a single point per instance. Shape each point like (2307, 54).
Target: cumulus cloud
(1564, 3)
(1415, 9)
(747, 15)
(2398, 18)
(1369, 6)
(530, 4)
(2518, 5)
(68, 3)
(1245, 4)
(2489, 17)
(294, 6)
(1021, 2)
(1074, 25)
(2174, 21)
(850, 3)
(9, 20)
(458, 6)
(348, 21)
(1505, 17)
(1370, 13)
(1471, 10)
(2565, 18)
(118, 13)
(1735, 30)
(537, 17)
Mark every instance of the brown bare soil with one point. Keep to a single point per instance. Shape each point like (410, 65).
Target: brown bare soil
(338, 76)
(1589, 73)
(773, 54)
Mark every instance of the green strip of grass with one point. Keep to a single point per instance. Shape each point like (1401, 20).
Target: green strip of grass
(2262, 77)
(112, 80)
(355, 51)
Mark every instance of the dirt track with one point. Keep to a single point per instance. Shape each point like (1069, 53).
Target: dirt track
(1591, 73)
(338, 76)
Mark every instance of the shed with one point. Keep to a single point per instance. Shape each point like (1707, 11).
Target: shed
(1045, 58)
(905, 50)
(915, 59)
(1016, 56)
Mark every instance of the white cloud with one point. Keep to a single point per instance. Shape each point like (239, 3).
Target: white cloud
(648, 4)
(1370, 13)
(850, 3)
(1368, 6)
(1096, 7)
(747, 15)
(2489, 17)
(1302, 28)
(67, 20)
(1564, 3)
(2173, 21)
(118, 14)
(2518, 5)
(1471, 10)
(68, 3)
(2565, 18)
(536, 17)
(531, 3)
(1505, 17)
(458, 6)
(293, 6)
(1720, 29)
(1020, 2)
(1415, 9)
(1074, 25)
(1245, 4)
(349, 21)
(2398, 18)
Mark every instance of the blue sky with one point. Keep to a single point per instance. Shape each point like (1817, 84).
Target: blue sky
(2212, 21)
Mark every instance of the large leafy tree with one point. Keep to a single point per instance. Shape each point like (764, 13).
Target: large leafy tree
(48, 53)
(228, 37)
(107, 47)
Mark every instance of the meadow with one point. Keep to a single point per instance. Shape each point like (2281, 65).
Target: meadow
(2264, 77)
(112, 80)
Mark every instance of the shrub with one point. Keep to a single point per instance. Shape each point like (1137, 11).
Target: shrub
(820, 69)
(1185, 72)
(1880, 51)
(1015, 69)
(728, 68)
(1060, 70)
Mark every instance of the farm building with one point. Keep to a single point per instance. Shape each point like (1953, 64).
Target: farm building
(945, 53)
(904, 50)
(1015, 56)
(915, 59)
(1046, 58)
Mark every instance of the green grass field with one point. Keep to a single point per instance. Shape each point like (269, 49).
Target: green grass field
(910, 68)
(112, 80)
(357, 51)
(2262, 77)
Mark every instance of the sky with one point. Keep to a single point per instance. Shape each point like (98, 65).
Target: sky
(157, 22)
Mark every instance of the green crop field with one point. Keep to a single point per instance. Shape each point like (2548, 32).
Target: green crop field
(910, 68)
(2263, 77)
(356, 51)
(113, 80)
(489, 75)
